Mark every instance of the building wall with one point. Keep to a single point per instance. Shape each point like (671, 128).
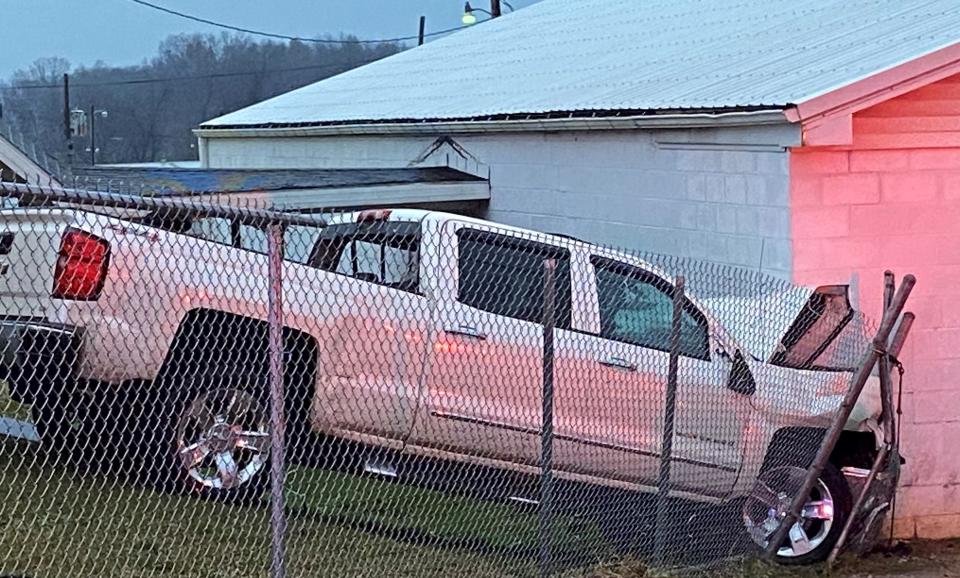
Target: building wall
(718, 194)
(892, 200)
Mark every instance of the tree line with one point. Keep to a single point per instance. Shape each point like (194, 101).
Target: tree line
(153, 107)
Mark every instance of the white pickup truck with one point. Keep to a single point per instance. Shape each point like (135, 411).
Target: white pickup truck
(420, 332)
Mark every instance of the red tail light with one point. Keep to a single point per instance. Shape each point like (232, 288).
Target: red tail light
(81, 266)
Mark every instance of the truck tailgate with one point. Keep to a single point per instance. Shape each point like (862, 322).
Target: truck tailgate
(29, 246)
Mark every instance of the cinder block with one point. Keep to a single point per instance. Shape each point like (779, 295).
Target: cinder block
(699, 160)
(748, 221)
(707, 217)
(697, 187)
(715, 188)
(820, 223)
(851, 189)
(909, 187)
(937, 406)
(934, 159)
(880, 161)
(743, 251)
(818, 162)
(929, 500)
(808, 254)
(951, 187)
(806, 191)
(904, 527)
(777, 255)
(778, 191)
(929, 453)
(774, 222)
(773, 163)
(740, 162)
(756, 189)
(727, 219)
(938, 527)
(735, 189)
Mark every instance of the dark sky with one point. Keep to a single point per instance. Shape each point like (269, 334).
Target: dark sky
(121, 32)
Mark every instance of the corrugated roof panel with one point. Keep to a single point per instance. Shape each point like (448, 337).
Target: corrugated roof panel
(602, 55)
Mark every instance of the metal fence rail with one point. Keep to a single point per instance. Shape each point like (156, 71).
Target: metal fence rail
(197, 389)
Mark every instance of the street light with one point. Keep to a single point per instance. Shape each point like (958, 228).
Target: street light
(469, 18)
(94, 112)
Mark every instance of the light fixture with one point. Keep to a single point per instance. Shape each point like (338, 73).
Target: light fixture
(469, 18)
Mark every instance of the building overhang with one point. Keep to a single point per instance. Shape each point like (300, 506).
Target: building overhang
(678, 120)
(827, 119)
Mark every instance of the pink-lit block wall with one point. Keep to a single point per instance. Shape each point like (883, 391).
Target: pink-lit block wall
(892, 200)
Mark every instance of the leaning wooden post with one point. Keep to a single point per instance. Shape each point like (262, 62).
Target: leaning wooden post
(867, 364)
(887, 450)
(669, 411)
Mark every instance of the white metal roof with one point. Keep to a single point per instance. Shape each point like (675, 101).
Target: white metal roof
(563, 56)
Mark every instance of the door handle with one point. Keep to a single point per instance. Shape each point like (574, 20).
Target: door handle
(618, 363)
(466, 331)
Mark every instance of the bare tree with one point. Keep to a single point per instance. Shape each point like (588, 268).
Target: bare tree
(154, 106)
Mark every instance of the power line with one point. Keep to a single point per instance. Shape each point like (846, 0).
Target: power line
(285, 36)
(182, 78)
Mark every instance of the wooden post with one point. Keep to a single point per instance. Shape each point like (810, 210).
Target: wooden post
(669, 414)
(867, 364)
(546, 434)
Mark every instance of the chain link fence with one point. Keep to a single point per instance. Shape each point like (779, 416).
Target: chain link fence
(212, 390)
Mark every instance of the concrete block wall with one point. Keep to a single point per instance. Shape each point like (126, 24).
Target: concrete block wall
(717, 194)
(892, 200)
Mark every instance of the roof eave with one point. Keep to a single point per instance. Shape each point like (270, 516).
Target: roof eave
(827, 119)
(638, 122)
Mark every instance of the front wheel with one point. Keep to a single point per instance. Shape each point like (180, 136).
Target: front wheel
(212, 442)
(822, 518)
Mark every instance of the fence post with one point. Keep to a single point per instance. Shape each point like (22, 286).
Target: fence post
(887, 419)
(546, 436)
(669, 411)
(278, 521)
(870, 358)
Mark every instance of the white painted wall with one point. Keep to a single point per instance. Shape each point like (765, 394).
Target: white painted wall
(718, 194)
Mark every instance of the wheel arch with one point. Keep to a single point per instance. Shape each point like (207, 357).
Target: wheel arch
(798, 446)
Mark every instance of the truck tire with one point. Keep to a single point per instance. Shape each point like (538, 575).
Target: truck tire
(813, 536)
(210, 439)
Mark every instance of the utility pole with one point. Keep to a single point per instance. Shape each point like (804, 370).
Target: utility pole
(67, 131)
(423, 26)
(495, 8)
(93, 136)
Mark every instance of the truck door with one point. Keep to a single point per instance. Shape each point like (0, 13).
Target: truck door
(378, 319)
(484, 387)
(620, 408)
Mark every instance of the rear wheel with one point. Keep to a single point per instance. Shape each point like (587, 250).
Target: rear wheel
(213, 442)
(822, 518)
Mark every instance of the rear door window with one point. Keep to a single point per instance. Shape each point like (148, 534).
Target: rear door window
(383, 252)
(504, 275)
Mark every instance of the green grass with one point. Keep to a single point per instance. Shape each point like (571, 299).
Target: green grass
(10, 408)
(54, 523)
(444, 517)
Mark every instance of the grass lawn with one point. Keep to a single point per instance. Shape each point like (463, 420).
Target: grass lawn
(56, 524)
(10, 408)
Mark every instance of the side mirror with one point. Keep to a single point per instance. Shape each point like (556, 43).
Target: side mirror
(741, 378)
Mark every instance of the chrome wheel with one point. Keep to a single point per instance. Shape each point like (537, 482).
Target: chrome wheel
(223, 439)
(769, 502)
